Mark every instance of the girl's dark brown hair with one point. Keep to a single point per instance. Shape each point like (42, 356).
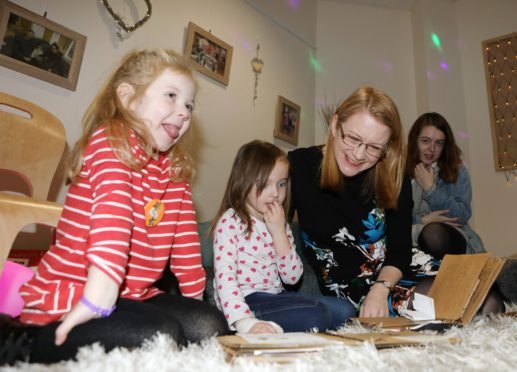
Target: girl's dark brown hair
(450, 159)
(252, 166)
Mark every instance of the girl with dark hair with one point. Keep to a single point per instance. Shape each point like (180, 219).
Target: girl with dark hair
(442, 197)
(441, 190)
(254, 252)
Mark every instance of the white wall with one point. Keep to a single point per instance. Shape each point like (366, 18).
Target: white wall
(360, 45)
(225, 117)
(495, 201)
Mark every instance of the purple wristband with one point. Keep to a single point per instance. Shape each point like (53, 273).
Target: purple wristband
(96, 309)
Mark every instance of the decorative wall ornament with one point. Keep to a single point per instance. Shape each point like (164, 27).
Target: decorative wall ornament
(256, 65)
(500, 59)
(123, 29)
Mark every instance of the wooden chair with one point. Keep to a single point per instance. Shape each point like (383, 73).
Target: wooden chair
(31, 148)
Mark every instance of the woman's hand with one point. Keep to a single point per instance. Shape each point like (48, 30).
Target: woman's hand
(440, 216)
(424, 176)
(375, 303)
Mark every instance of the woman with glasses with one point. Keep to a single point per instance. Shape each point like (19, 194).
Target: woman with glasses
(353, 202)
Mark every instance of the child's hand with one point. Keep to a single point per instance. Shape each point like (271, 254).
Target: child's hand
(265, 327)
(274, 218)
(79, 314)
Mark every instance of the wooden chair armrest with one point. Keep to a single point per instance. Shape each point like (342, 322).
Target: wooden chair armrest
(17, 211)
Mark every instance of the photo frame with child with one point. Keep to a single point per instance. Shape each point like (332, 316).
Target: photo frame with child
(38, 47)
(209, 55)
(287, 122)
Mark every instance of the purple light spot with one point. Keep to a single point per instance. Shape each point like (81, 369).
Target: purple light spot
(386, 66)
(295, 4)
(462, 135)
(430, 75)
(444, 66)
(246, 45)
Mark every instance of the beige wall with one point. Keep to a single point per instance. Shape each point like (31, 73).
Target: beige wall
(225, 117)
(495, 201)
(355, 45)
(360, 45)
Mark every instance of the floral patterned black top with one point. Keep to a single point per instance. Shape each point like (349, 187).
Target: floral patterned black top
(348, 239)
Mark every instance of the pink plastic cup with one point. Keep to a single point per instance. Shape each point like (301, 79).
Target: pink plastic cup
(12, 278)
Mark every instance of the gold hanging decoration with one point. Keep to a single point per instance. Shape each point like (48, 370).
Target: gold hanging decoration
(256, 64)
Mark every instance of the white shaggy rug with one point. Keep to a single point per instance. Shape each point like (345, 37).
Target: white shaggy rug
(488, 344)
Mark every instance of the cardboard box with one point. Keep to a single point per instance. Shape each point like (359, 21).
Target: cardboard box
(462, 284)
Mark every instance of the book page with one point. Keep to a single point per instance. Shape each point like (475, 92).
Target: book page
(296, 339)
(455, 283)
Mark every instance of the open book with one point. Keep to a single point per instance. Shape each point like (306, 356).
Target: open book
(286, 347)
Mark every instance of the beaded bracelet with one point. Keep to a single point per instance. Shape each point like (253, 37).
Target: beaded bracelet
(96, 309)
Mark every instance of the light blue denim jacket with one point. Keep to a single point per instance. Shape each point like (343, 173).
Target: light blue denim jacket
(456, 197)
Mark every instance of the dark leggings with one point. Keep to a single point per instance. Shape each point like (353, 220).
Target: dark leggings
(439, 239)
(183, 319)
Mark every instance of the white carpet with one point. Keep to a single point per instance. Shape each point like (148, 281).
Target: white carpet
(489, 344)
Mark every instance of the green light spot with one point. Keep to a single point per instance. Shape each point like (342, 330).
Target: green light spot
(436, 41)
(314, 62)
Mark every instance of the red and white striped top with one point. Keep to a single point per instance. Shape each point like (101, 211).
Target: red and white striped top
(103, 224)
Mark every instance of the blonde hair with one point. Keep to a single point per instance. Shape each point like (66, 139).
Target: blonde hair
(139, 69)
(384, 180)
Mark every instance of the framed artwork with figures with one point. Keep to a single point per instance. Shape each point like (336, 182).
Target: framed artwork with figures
(287, 122)
(38, 47)
(209, 55)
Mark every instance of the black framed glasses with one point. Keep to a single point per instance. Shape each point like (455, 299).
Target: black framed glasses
(352, 141)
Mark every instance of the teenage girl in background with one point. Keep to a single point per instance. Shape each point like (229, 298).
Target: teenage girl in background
(254, 252)
(127, 217)
(442, 197)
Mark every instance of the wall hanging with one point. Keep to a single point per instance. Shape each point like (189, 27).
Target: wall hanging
(38, 47)
(123, 29)
(287, 123)
(500, 60)
(209, 54)
(256, 65)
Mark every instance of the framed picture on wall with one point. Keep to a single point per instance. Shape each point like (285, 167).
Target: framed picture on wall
(209, 55)
(39, 47)
(287, 122)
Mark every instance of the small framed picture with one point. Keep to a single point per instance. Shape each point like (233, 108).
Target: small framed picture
(209, 55)
(287, 123)
(38, 47)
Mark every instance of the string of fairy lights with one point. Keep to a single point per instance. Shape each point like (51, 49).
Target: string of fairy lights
(501, 69)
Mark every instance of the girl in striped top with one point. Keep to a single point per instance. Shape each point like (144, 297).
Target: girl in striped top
(128, 215)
